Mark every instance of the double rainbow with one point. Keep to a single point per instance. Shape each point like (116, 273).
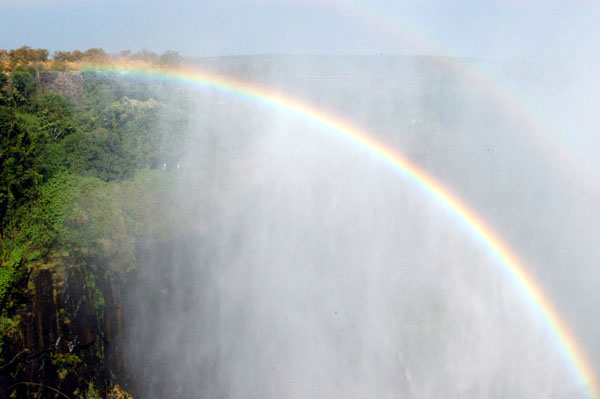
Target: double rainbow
(506, 259)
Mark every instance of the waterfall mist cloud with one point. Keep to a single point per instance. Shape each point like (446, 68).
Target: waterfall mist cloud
(308, 268)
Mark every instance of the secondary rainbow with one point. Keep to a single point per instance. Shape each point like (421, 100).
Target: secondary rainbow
(546, 135)
(510, 263)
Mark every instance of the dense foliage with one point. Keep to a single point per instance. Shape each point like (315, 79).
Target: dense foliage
(65, 162)
(81, 172)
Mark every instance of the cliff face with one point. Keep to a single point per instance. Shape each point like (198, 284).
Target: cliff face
(66, 332)
(66, 83)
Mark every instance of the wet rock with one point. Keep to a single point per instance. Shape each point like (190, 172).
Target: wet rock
(69, 332)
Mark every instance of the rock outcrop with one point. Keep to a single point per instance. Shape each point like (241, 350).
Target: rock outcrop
(66, 331)
(66, 83)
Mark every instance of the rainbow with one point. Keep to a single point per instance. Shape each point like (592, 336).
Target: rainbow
(557, 142)
(509, 262)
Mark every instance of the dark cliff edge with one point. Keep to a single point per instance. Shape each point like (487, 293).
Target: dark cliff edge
(65, 338)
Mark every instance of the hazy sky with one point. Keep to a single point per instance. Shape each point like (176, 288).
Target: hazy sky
(225, 27)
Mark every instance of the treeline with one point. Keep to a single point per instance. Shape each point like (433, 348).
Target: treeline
(40, 59)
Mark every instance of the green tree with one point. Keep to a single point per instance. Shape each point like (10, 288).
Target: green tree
(18, 177)
(26, 55)
(54, 111)
(23, 86)
(67, 56)
(3, 89)
(95, 55)
(54, 123)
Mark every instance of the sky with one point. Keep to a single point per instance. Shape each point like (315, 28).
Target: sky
(238, 27)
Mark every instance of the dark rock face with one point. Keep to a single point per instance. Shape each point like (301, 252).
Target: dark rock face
(66, 83)
(69, 332)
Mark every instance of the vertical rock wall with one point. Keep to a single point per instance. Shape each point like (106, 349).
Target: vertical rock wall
(68, 335)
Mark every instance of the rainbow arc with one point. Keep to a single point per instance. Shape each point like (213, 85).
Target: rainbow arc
(510, 263)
